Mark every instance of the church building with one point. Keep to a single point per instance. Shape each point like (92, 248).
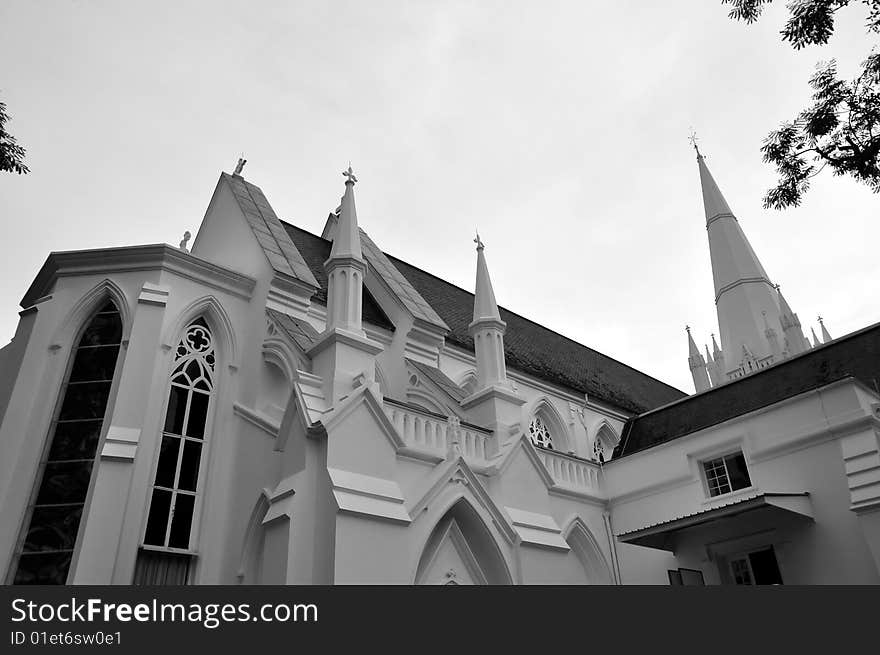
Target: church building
(272, 406)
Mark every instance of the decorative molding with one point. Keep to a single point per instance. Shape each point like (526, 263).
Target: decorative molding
(138, 258)
(537, 529)
(258, 419)
(154, 294)
(121, 443)
(368, 496)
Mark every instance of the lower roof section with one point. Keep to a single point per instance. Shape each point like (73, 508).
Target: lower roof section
(777, 505)
(856, 355)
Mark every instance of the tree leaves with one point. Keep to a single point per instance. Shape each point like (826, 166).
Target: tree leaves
(11, 154)
(841, 129)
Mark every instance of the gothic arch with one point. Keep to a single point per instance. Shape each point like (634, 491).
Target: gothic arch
(586, 548)
(543, 409)
(68, 330)
(462, 528)
(217, 319)
(252, 546)
(605, 439)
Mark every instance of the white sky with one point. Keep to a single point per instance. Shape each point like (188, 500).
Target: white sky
(559, 129)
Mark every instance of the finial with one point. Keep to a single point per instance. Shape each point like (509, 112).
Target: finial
(820, 319)
(239, 166)
(693, 139)
(186, 236)
(349, 175)
(687, 328)
(479, 242)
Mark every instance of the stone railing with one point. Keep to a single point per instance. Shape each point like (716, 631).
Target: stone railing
(570, 471)
(433, 433)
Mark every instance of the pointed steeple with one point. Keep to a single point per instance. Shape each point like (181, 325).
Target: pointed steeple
(791, 326)
(347, 240)
(494, 401)
(825, 336)
(344, 354)
(717, 355)
(697, 364)
(484, 297)
(772, 338)
(742, 289)
(712, 368)
(816, 342)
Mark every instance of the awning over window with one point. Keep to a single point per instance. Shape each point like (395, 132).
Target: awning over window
(779, 505)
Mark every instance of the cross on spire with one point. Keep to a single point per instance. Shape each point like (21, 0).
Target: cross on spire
(349, 175)
(479, 242)
(693, 139)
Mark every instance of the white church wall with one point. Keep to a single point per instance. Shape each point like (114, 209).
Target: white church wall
(790, 447)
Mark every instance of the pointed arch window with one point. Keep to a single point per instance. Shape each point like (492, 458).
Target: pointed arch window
(175, 486)
(599, 450)
(46, 547)
(540, 433)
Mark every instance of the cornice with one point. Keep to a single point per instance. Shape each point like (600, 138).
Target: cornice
(137, 258)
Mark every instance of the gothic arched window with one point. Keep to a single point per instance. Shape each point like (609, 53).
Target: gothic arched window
(46, 548)
(175, 486)
(599, 451)
(540, 433)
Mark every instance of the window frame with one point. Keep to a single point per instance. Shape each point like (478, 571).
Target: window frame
(746, 556)
(723, 457)
(48, 430)
(193, 549)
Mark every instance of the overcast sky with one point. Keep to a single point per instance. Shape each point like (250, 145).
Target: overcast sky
(559, 129)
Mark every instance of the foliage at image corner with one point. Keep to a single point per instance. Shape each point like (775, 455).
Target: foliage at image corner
(841, 128)
(11, 154)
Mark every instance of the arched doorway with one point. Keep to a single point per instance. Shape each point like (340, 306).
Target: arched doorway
(461, 551)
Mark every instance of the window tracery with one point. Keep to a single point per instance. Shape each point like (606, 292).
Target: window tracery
(540, 434)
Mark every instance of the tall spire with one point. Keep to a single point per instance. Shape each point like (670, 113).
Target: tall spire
(494, 401)
(487, 328)
(697, 364)
(825, 336)
(347, 241)
(484, 298)
(743, 292)
(816, 342)
(344, 354)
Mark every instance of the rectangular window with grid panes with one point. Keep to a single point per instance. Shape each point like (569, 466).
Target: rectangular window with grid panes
(726, 474)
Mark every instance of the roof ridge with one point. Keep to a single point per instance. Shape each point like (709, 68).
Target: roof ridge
(396, 260)
(540, 325)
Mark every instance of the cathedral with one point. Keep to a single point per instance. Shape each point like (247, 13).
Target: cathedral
(272, 406)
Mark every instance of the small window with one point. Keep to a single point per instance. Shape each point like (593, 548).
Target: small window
(540, 433)
(726, 474)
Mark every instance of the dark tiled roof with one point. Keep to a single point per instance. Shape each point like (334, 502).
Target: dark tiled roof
(528, 347)
(301, 332)
(273, 239)
(856, 355)
(533, 349)
(315, 251)
(439, 378)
